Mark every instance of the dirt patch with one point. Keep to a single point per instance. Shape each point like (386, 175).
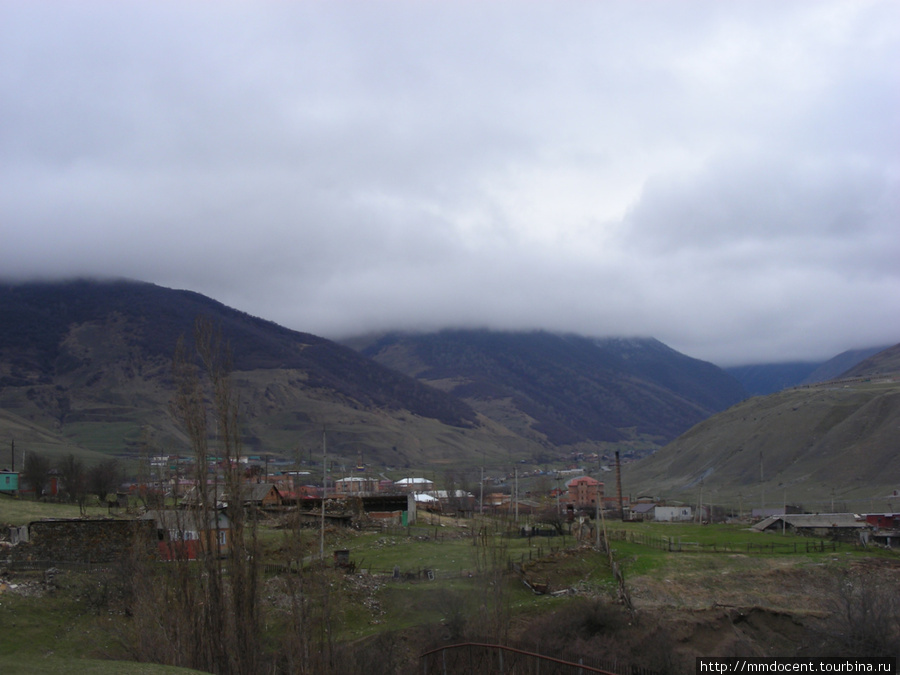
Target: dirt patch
(29, 584)
(703, 581)
(726, 605)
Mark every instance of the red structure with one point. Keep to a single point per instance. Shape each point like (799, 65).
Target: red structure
(584, 492)
(885, 521)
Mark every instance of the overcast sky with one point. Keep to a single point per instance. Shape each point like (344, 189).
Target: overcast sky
(723, 176)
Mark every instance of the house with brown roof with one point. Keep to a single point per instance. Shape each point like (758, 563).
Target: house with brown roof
(261, 495)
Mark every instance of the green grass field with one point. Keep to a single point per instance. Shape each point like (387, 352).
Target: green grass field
(64, 632)
(21, 511)
(69, 666)
(58, 633)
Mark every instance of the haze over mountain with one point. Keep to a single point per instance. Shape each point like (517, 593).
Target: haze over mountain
(722, 176)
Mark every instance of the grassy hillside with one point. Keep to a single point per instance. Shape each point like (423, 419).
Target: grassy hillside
(839, 365)
(31, 437)
(808, 445)
(881, 364)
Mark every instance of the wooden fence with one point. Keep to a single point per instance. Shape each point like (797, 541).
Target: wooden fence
(484, 659)
(676, 545)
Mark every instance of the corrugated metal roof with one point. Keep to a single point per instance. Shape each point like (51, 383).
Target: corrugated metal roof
(819, 520)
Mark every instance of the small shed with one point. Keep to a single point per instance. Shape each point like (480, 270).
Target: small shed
(642, 511)
(9, 481)
(671, 514)
(262, 495)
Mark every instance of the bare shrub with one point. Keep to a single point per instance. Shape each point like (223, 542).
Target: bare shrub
(601, 632)
(865, 616)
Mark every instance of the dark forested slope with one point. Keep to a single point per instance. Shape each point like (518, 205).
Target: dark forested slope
(570, 389)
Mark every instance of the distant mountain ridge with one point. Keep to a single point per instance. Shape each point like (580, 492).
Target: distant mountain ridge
(566, 389)
(767, 378)
(854, 360)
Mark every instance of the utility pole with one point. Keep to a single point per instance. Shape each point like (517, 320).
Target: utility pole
(700, 504)
(558, 511)
(762, 485)
(517, 495)
(481, 491)
(324, 492)
(784, 513)
(619, 487)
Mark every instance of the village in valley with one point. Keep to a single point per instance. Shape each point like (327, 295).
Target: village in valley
(314, 560)
(559, 499)
(536, 536)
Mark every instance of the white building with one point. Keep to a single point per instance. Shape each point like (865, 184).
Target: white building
(671, 514)
(414, 485)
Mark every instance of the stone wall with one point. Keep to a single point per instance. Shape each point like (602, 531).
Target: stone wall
(83, 540)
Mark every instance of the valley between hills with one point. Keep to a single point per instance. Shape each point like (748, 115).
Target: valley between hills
(85, 370)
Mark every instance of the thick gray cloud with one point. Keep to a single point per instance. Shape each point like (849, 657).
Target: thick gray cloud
(722, 176)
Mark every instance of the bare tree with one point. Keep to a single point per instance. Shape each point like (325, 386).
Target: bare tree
(73, 479)
(205, 614)
(36, 473)
(230, 631)
(103, 478)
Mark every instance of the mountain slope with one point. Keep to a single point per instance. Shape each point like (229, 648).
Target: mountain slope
(564, 389)
(881, 364)
(41, 326)
(802, 444)
(767, 378)
(90, 362)
(840, 364)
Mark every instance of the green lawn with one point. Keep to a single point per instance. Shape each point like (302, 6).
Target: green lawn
(52, 665)
(56, 633)
(21, 511)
